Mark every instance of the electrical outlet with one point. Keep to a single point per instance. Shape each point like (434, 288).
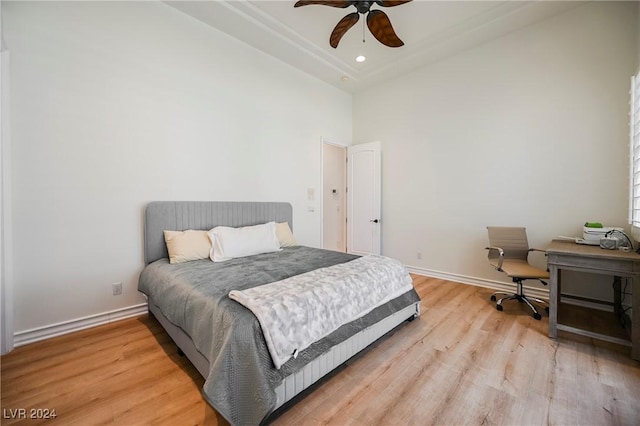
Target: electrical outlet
(117, 288)
(418, 255)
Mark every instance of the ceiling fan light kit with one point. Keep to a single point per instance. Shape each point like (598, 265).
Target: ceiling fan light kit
(377, 21)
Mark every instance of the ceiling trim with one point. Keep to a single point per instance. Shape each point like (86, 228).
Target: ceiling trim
(285, 33)
(248, 23)
(491, 24)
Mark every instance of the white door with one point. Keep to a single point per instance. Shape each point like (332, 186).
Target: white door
(363, 192)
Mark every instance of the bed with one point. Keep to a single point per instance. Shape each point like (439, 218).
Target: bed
(222, 338)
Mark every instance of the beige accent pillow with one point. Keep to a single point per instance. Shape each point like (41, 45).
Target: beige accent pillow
(185, 246)
(284, 234)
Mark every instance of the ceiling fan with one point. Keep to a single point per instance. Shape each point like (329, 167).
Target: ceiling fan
(377, 21)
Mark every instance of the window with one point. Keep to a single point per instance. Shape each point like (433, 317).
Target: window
(634, 132)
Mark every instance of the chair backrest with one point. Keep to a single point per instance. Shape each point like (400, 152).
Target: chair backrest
(513, 240)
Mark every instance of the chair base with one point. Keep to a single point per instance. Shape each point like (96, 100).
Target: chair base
(520, 297)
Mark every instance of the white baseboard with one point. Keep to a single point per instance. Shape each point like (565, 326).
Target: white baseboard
(540, 293)
(42, 333)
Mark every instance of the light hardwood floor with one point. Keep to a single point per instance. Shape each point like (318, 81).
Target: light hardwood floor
(461, 362)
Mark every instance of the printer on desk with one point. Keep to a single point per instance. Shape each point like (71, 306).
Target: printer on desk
(607, 237)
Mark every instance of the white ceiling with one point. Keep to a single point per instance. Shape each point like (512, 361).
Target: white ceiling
(431, 30)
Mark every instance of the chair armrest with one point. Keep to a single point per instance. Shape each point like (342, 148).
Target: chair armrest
(539, 250)
(500, 254)
(535, 249)
(545, 255)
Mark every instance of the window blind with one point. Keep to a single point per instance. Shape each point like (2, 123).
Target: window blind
(634, 133)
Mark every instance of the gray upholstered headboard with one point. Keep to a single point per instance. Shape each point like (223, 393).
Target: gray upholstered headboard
(180, 215)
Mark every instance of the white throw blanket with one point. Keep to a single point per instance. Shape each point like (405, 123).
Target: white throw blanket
(298, 311)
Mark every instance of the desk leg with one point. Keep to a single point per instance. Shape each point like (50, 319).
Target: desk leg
(635, 317)
(617, 295)
(554, 300)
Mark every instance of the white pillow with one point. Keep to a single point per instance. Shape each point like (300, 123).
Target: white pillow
(228, 243)
(185, 246)
(284, 234)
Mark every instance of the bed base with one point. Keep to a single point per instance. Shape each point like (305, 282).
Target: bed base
(297, 382)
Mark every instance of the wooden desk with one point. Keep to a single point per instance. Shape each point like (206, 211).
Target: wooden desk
(576, 257)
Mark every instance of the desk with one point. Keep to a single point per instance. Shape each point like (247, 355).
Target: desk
(567, 255)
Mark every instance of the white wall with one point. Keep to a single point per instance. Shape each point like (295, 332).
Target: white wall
(116, 104)
(528, 130)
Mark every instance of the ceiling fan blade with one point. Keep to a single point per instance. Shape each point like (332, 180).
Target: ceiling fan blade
(391, 3)
(335, 3)
(342, 27)
(381, 28)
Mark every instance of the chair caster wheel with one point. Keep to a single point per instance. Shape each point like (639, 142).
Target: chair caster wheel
(537, 316)
(499, 307)
(493, 297)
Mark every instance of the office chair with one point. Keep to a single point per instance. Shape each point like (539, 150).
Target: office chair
(508, 252)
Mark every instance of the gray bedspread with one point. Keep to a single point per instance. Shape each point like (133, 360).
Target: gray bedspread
(242, 377)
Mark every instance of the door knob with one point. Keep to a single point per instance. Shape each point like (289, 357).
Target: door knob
(374, 220)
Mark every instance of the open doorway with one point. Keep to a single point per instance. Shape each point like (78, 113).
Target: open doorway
(334, 199)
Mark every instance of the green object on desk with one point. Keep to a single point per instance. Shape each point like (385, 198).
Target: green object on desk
(593, 225)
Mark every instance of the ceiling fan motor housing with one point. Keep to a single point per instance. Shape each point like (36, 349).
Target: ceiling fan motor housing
(363, 6)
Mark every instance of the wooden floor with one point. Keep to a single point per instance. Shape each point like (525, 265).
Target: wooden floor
(461, 362)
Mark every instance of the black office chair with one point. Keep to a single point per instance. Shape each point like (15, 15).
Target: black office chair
(508, 252)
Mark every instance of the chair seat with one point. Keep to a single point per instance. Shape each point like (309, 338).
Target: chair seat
(522, 269)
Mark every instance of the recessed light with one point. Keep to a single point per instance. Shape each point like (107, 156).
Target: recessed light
(360, 58)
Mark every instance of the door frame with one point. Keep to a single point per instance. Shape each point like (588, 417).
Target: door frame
(6, 234)
(327, 141)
